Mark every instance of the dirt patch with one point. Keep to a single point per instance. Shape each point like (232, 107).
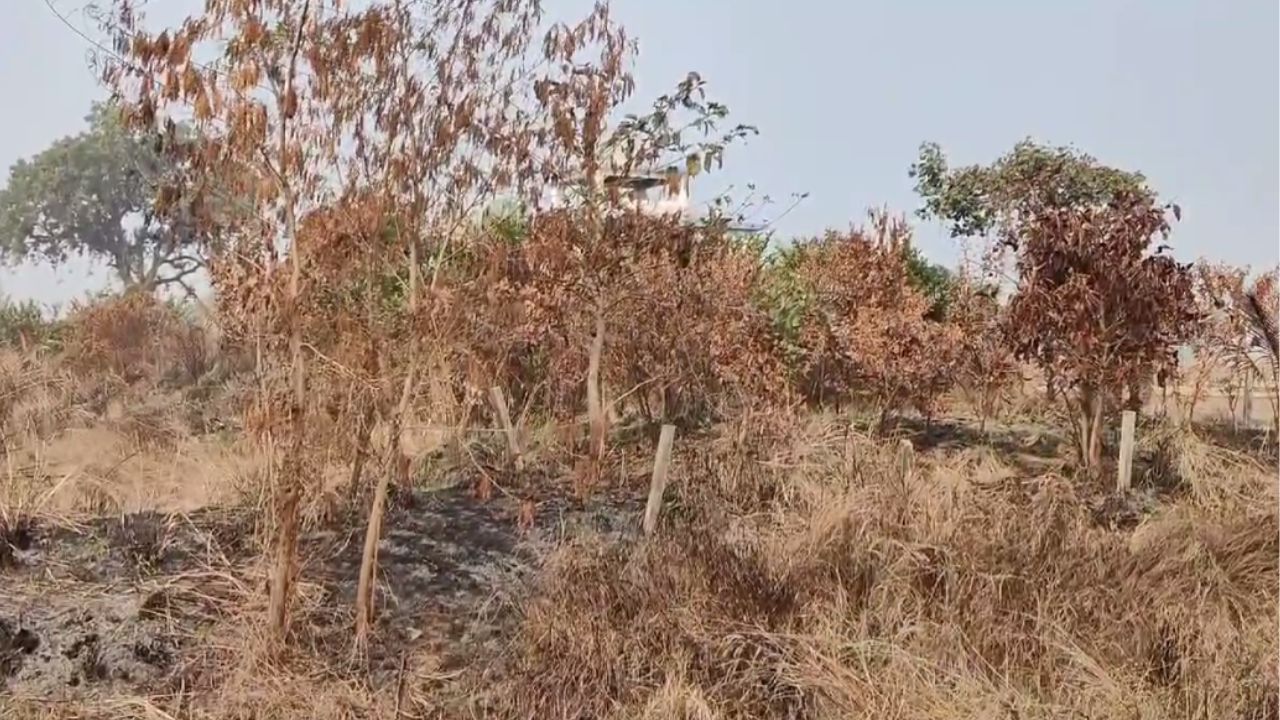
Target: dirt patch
(449, 565)
(94, 642)
(87, 609)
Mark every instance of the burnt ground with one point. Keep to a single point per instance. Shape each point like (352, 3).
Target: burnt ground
(86, 607)
(111, 606)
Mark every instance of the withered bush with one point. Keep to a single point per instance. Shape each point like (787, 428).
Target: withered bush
(864, 331)
(682, 341)
(355, 323)
(134, 337)
(988, 370)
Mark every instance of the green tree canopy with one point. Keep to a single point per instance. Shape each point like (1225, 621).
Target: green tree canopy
(106, 193)
(930, 278)
(976, 200)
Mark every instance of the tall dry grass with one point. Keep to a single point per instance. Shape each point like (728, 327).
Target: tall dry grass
(115, 415)
(957, 591)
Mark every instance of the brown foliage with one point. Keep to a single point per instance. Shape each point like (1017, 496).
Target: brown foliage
(678, 299)
(1095, 307)
(304, 106)
(988, 369)
(867, 333)
(1219, 332)
(134, 337)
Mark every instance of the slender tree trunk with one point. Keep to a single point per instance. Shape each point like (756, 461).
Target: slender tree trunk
(363, 432)
(983, 410)
(1088, 421)
(397, 465)
(291, 483)
(124, 273)
(1095, 437)
(290, 487)
(371, 368)
(599, 423)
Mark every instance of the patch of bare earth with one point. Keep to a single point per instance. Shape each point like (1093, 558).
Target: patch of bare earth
(136, 605)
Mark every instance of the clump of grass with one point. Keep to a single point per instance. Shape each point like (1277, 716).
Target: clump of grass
(16, 531)
(25, 326)
(1180, 460)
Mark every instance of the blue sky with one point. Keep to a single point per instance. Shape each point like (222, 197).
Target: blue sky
(844, 92)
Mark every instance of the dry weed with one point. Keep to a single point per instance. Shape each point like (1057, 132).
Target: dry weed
(1179, 459)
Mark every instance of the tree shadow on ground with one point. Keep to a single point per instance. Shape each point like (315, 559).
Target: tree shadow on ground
(955, 434)
(1030, 448)
(1258, 443)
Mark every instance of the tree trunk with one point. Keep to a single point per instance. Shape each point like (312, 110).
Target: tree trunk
(983, 411)
(124, 272)
(1095, 437)
(363, 432)
(397, 464)
(372, 369)
(290, 487)
(291, 484)
(599, 423)
(1089, 414)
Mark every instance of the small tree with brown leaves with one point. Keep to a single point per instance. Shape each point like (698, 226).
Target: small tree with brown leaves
(1219, 332)
(1258, 353)
(308, 107)
(987, 368)
(1095, 306)
(866, 330)
(263, 111)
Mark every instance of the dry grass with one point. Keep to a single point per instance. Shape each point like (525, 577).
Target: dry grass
(1181, 459)
(855, 592)
(816, 581)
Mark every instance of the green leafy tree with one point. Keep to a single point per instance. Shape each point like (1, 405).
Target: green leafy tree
(97, 194)
(931, 279)
(978, 200)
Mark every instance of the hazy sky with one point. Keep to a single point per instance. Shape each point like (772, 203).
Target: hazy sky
(844, 92)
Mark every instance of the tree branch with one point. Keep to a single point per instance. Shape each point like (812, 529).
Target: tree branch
(177, 277)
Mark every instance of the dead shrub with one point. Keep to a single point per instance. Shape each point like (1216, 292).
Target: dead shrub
(865, 332)
(36, 398)
(133, 337)
(683, 340)
(606, 628)
(1174, 457)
